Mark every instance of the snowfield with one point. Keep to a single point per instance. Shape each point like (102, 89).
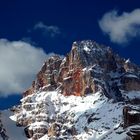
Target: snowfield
(94, 116)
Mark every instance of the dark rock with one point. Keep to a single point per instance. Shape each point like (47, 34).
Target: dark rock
(131, 116)
(28, 132)
(72, 131)
(134, 133)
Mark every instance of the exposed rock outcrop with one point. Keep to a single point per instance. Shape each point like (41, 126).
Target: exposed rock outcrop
(131, 82)
(131, 119)
(134, 133)
(131, 116)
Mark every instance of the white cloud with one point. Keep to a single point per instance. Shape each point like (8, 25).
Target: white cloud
(19, 63)
(48, 30)
(121, 28)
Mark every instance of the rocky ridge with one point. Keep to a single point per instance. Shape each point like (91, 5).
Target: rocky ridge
(85, 69)
(91, 77)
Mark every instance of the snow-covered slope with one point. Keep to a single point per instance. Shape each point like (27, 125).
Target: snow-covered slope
(93, 117)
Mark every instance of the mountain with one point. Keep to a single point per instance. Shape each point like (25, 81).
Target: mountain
(90, 94)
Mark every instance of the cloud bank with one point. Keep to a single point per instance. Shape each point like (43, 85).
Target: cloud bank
(121, 28)
(19, 63)
(51, 30)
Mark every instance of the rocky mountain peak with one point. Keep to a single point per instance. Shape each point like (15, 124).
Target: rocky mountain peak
(89, 52)
(80, 87)
(88, 68)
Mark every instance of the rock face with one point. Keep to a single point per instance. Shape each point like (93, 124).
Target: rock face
(131, 116)
(47, 77)
(134, 133)
(88, 68)
(131, 82)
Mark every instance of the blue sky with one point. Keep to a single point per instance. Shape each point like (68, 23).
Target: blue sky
(44, 27)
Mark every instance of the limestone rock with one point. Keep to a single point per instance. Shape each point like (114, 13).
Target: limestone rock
(131, 81)
(131, 116)
(54, 130)
(134, 133)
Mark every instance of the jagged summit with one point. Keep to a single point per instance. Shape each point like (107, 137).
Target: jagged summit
(87, 43)
(88, 67)
(89, 51)
(91, 93)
